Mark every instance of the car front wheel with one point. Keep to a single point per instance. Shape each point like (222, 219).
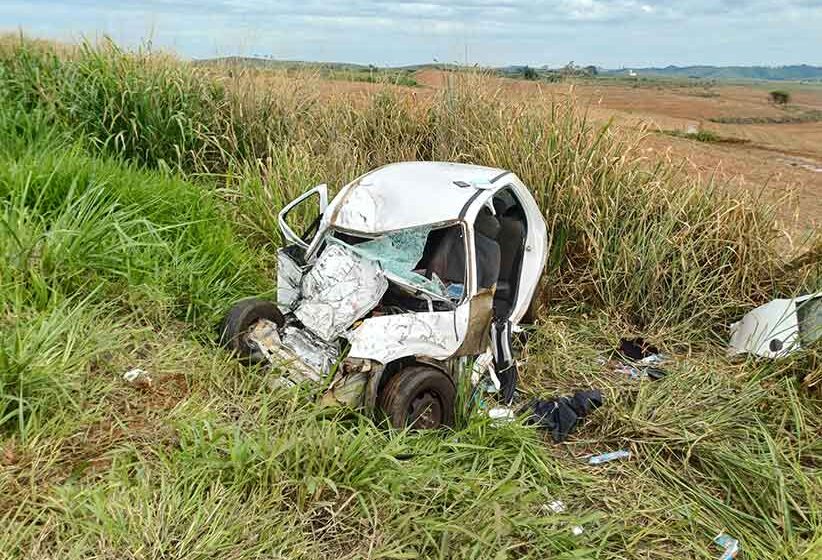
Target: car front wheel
(239, 321)
(420, 397)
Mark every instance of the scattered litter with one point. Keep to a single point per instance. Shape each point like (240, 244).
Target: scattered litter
(558, 506)
(138, 377)
(562, 414)
(631, 371)
(654, 359)
(729, 544)
(501, 414)
(607, 457)
(778, 328)
(637, 359)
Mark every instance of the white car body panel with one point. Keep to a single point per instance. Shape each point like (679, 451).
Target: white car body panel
(769, 331)
(405, 195)
(341, 288)
(387, 338)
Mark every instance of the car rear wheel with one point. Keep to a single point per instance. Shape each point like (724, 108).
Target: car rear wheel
(240, 319)
(420, 397)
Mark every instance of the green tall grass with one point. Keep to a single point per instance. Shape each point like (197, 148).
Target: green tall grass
(138, 197)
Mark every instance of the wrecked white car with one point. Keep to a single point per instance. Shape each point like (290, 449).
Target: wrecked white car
(405, 277)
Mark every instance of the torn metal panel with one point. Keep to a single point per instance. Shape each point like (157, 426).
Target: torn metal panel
(289, 278)
(341, 288)
(778, 328)
(478, 331)
(316, 354)
(283, 352)
(436, 334)
(347, 390)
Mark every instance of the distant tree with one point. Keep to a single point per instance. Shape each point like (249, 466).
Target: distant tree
(591, 70)
(529, 73)
(780, 97)
(569, 69)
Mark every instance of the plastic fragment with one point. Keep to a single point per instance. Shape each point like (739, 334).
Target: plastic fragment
(607, 457)
(729, 544)
(501, 414)
(139, 377)
(558, 506)
(654, 359)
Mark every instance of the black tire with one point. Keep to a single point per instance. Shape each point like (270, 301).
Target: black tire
(418, 396)
(239, 319)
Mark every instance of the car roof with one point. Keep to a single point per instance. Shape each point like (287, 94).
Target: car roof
(409, 194)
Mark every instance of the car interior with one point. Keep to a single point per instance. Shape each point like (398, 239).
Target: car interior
(499, 241)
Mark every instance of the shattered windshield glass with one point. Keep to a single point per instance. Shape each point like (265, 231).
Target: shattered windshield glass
(398, 253)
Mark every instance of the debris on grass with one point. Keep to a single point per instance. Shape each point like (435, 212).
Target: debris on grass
(558, 506)
(729, 544)
(637, 359)
(636, 349)
(138, 377)
(501, 414)
(608, 457)
(561, 415)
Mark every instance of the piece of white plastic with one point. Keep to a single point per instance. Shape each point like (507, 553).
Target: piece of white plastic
(608, 457)
(558, 506)
(501, 414)
(137, 376)
(774, 330)
(729, 544)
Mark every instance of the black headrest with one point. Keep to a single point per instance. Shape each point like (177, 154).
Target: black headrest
(503, 201)
(487, 224)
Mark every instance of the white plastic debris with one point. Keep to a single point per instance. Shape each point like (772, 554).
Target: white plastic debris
(778, 328)
(137, 376)
(501, 414)
(729, 544)
(558, 506)
(654, 359)
(483, 365)
(607, 457)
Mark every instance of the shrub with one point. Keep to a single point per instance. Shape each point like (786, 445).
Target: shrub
(780, 97)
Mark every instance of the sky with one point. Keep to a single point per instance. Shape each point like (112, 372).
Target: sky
(607, 33)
